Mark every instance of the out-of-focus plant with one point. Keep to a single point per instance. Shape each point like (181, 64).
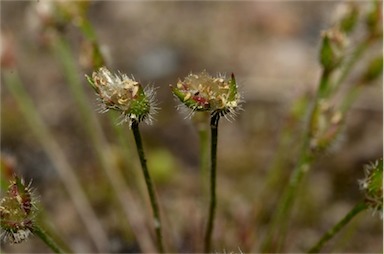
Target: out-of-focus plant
(326, 118)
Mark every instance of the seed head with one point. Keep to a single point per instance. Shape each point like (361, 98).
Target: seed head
(17, 212)
(372, 186)
(118, 92)
(202, 92)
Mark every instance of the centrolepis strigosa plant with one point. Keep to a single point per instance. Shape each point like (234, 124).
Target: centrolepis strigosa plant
(218, 96)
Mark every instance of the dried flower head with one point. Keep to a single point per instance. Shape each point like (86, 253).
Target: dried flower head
(202, 92)
(118, 92)
(17, 212)
(372, 186)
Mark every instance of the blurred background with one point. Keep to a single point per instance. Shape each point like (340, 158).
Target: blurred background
(271, 47)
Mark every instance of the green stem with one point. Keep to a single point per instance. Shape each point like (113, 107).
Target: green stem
(277, 170)
(356, 55)
(332, 232)
(123, 194)
(280, 219)
(204, 152)
(57, 156)
(150, 187)
(278, 229)
(89, 33)
(212, 207)
(350, 97)
(36, 230)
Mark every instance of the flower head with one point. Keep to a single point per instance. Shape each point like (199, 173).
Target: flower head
(17, 212)
(372, 186)
(118, 92)
(202, 92)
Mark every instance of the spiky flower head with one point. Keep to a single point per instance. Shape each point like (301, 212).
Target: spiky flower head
(17, 212)
(202, 92)
(372, 186)
(118, 92)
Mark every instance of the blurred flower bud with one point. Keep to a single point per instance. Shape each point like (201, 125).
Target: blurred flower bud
(372, 186)
(325, 126)
(17, 212)
(374, 20)
(332, 49)
(374, 70)
(7, 168)
(91, 55)
(72, 10)
(349, 18)
(202, 92)
(7, 50)
(118, 92)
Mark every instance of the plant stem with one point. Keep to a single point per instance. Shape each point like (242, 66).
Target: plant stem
(47, 239)
(280, 219)
(203, 132)
(212, 207)
(332, 232)
(148, 181)
(356, 55)
(57, 156)
(277, 231)
(123, 194)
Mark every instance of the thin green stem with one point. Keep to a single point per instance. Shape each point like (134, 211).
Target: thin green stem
(276, 171)
(277, 231)
(350, 97)
(285, 210)
(203, 137)
(355, 56)
(150, 187)
(212, 207)
(89, 33)
(57, 156)
(335, 229)
(123, 194)
(203, 132)
(36, 230)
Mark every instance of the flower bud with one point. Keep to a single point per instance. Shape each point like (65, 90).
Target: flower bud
(332, 49)
(118, 92)
(325, 126)
(202, 92)
(374, 70)
(374, 20)
(372, 186)
(349, 19)
(17, 212)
